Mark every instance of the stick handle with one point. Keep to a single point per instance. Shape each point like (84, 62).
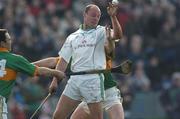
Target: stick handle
(42, 103)
(123, 68)
(87, 72)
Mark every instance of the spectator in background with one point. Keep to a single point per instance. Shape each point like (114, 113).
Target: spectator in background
(121, 50)
(128, 95)
(136, 48)
(139, 80)
(153, 69)
(170, 98)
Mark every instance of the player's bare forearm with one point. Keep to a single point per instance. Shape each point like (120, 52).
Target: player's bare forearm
(110, 44)
(117, 30)
(47, 62)
(50, 72)
(110, 48)
(61, 66)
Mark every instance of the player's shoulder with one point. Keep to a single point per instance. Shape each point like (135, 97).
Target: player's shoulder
(17, 56)
(74, 34)
(100, 29)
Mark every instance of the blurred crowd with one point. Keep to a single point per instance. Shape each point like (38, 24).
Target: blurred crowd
(151, 40)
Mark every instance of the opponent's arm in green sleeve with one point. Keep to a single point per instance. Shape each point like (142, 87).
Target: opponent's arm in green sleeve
(24, 66)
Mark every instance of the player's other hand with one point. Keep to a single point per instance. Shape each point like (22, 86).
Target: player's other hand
(60, 75)
(112, 9)
(53, 86)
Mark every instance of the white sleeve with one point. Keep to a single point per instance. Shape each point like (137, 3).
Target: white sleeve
(101, 34)
(66, 50)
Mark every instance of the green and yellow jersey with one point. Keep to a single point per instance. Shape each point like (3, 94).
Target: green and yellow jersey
(109, 82)
(10, 65)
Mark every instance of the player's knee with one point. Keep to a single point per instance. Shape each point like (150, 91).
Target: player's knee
(56, 116)
(80, 114)
(97, 116)
(75, 117)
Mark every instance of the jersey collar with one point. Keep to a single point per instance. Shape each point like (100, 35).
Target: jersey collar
(3, 49)
(82, 26)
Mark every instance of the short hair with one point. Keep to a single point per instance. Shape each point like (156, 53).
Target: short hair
(2, 35)
(88, 7)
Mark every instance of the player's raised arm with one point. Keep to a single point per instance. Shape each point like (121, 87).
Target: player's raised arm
(117, 30)
(109, 44)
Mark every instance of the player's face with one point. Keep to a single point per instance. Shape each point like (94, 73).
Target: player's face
(91, 18)
(8, 41)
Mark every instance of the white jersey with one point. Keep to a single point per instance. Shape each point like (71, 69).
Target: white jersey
(86, 47)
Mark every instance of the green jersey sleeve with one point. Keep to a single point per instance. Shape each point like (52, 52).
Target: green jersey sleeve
(24, 66)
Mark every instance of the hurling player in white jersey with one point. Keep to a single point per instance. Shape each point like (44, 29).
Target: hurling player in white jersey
(86, 47)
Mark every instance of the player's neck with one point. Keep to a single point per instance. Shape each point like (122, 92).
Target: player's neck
(86, 27)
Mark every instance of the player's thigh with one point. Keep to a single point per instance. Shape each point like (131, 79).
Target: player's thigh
(72, 89)
(112, 97)
(116, 112)
(64, 107)
(113, 103)
(96, 111)
(92, 90)
(81, 112)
